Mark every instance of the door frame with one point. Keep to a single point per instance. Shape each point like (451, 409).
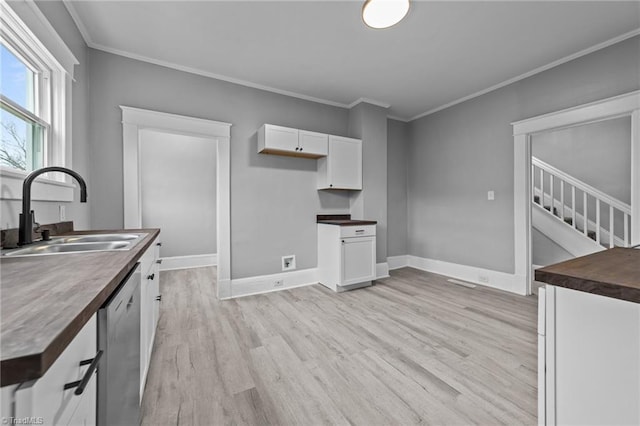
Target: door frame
(133, 121)
(627, 105)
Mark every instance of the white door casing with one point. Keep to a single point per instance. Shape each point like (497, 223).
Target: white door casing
(133, 121)
(618, 106)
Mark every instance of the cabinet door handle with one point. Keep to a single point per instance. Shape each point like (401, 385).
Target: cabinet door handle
(297, 148)
(342, 241)
(159, 244)
(151, 277)
(330, 185)
(300, 148)
(81, 384)
(159, 298)
(159, 261)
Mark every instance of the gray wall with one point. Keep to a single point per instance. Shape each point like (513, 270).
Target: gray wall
(47, 212)
(545, 251)
(182, 203)
(369, 123)
(598, 154)
(458, 154)
(274, 199)
(397, 140)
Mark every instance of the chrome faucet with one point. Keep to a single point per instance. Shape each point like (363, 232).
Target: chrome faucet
(27, 217)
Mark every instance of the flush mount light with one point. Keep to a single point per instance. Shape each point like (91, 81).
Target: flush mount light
(384, 13)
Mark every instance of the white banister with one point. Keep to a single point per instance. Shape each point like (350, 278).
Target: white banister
(549, 202)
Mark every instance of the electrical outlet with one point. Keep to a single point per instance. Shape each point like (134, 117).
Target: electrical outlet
(289, 262)
(63, 212)
(278, 283)
(483, 279)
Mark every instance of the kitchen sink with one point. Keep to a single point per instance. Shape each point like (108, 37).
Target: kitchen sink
(79, 244)
(93, 238)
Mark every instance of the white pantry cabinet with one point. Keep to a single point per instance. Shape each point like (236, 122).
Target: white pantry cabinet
(346, 256)
(46, 401)
(342, 168)
(280, 140)
(149, 306)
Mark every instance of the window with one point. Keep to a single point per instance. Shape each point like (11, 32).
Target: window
(24, 122)
(36, 72)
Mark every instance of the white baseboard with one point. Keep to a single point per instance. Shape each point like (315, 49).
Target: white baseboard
(480, 276)
(397, 262)
(186, 262)
(382, 270)
(267, 283)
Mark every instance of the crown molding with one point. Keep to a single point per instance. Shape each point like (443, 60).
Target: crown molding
(368, 101)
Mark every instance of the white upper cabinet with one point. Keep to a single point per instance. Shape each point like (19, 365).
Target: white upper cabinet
(342, 168)
(291, 142)
(313, 143)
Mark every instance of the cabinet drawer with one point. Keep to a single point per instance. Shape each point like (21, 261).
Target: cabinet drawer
(357, 231)
(46, 397)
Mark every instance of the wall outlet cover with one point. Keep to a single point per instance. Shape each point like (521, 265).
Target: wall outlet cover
(289, 262)
(278, 283)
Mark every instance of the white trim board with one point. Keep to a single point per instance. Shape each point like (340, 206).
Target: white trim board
(188, 262)
(397, 262)
(267, 283)
(135, 120)
(626, 104)
(382, 270)
(472, 274)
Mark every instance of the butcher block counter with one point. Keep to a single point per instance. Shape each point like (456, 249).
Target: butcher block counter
(611, 273)
(47, 299)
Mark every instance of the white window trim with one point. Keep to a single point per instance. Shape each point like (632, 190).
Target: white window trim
(23, 20)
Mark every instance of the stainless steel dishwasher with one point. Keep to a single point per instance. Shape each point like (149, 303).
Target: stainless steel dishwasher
(119, 338)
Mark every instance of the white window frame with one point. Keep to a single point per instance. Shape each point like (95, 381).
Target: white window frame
(27, 31)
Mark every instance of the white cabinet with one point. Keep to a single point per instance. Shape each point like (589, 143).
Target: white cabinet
(46, 400)
(149, 306)
(342, 168)
(280, 140)
(346, 256)
(591, 359)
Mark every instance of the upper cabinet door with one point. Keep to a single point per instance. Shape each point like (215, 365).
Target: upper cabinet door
(277, 139)
(313, 143)
(343, 166)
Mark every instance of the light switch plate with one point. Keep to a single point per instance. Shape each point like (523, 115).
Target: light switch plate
(63, 213)
(491, 196)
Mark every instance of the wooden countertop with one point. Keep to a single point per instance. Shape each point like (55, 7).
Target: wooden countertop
(611, 273)
(348, 222)
(46, 300)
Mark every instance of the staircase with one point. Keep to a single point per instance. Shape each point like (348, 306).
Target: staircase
(587, 215)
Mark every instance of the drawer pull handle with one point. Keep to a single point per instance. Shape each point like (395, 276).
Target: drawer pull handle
(81, 384)
(358, 231)
(159, 298)
(159, 244)
(159, 261)
(151, 277)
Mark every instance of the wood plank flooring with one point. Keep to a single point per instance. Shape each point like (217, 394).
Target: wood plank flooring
(411, 349)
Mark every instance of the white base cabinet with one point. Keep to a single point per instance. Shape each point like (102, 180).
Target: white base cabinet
(150, 299)
(45, 400)
(591, 359)
(346, 256)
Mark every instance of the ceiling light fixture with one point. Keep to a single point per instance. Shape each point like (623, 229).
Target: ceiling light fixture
(384, 13)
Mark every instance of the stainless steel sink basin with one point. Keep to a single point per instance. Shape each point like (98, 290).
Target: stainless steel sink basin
(97, 238)
(80, 244)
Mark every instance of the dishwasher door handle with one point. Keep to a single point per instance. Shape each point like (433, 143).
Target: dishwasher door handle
(81, 384)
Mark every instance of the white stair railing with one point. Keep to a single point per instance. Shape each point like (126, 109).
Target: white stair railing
(559, 193)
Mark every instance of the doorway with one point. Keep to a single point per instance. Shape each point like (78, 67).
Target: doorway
(164, 188)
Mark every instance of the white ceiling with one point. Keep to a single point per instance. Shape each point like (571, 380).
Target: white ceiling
(442, 51)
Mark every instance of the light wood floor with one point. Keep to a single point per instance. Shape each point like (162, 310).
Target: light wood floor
(411, 349)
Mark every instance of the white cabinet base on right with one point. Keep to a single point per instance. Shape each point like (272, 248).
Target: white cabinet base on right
(592, 359)
(346, 256)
